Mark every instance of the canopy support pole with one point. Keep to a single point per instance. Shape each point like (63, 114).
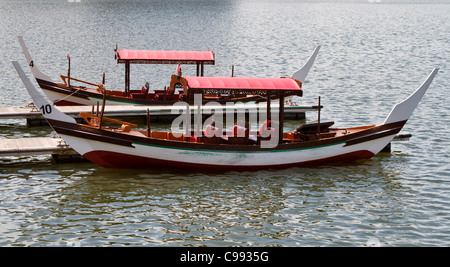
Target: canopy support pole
(318, 121)
(280, 117)
(127, 79)
(198, 99)
(102, 88)
(188, 117)
(148, 123)
(68, 71)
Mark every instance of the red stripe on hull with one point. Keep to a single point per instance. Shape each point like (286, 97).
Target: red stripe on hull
(66, 103)
(124, 161)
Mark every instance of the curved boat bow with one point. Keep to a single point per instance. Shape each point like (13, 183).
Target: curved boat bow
(47, 109)
(34, 69)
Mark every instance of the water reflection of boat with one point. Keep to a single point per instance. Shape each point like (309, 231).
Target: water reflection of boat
(74, 91)
(214, 148)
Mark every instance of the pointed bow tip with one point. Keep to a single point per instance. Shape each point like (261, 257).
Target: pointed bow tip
(431, 76)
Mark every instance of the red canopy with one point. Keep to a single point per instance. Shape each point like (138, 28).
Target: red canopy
(223, 85)
(165, 57)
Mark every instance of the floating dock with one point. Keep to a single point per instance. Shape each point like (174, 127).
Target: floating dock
(158, 113)
(34, 146)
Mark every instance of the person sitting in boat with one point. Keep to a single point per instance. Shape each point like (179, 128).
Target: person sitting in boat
(240, 129)
(268, 128)
(214, 129)
(145, 88)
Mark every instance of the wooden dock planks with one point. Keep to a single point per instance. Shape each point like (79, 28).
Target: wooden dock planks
(33, 146)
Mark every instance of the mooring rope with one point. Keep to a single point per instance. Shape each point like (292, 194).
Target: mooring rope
(61, 99)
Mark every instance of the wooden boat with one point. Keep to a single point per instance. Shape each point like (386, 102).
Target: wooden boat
(215, 149)
(68, 93)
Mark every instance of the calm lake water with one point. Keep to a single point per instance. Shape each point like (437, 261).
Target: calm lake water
(373, 55)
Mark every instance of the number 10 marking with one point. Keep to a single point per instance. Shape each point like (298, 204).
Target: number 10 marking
(47, 109)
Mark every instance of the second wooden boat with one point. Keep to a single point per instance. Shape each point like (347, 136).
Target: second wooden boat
(72, 91)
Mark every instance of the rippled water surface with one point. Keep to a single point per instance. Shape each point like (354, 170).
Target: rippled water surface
(373, 55)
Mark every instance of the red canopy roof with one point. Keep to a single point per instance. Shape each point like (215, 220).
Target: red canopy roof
(243, 85)
(165, 57)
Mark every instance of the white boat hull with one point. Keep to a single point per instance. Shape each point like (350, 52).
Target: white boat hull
(155, 156)
(63, 99)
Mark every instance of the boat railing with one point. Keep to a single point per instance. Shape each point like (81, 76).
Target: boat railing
(94, 120)
(66, 78)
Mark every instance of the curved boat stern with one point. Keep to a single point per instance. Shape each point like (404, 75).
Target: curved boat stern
(401, 113)
(403, 110)
(303, 72)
